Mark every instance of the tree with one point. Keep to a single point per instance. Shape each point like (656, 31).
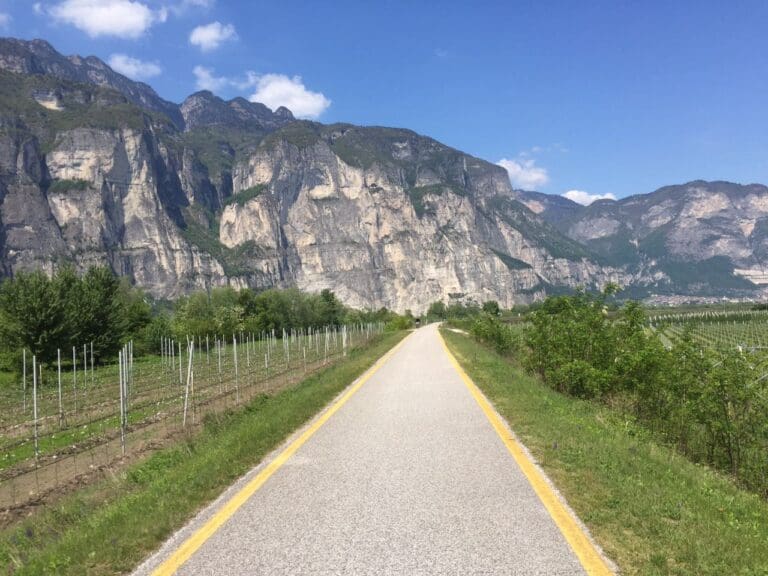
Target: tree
(330, 310)
(102, 317)
(136, 308)
(31, 314)
(437, 310)
(491, 307)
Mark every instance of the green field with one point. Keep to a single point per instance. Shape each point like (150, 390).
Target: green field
(70, 437)
(747, 329)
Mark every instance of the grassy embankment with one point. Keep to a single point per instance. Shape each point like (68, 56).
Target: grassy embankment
(652, 510)
(110, 527)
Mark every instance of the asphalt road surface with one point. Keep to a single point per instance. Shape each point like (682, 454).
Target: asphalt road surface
(407, 477)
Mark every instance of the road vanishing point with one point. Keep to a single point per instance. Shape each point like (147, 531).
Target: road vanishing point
(408, 472)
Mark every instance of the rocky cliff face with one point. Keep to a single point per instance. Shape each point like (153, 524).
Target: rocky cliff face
(39, 57)
(96, 169)
(699, 238)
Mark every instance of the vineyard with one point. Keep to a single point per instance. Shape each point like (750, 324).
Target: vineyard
(732, 330)
(70, 418)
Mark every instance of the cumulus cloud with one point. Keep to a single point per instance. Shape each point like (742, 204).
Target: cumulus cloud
(524, 173)
(211, 36)
(133, 67)
(272, 90)
(585, 198)
(120, 18)
(277, 90)
(205, 79)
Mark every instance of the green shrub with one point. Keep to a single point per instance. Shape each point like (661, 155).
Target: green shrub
(711, 404)
(68, 185)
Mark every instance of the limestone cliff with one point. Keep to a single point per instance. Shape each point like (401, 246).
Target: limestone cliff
(97, 169)
(708, 238)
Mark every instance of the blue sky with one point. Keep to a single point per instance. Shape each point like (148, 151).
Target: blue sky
(603, 97)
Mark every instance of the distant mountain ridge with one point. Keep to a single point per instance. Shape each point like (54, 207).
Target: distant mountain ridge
(706, 237)
(98, 169)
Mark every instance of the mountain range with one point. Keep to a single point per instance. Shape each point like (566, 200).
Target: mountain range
(98, 169)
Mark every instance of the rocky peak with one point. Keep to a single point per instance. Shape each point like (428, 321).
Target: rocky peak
(205, 109)
(283, 112)
(39, 57)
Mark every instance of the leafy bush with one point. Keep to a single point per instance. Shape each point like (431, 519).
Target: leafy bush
(67, 185)
(490, 330)
(711, 404)
(242, 197)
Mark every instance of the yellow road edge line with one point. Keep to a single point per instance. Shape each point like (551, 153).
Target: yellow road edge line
(184, 552)
(591, 560)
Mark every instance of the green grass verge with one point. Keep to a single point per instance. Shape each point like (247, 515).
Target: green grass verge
(111, 527)
(652, 511)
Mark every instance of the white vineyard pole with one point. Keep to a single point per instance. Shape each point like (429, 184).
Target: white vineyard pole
(34, 401)
(190, 352)
(74, 375)
(58, 366)
(24, 379)
(122, 402)
(237, 386)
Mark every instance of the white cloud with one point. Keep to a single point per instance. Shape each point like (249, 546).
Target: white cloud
(277, 90)
(133, 67)
(250, 80)
(585, 198)
(121, 18)
(211, 36)
(273, 90)
(524, 174)
(205, 79)
(5, 20)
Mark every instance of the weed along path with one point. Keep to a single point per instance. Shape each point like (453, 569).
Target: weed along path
(409, 472)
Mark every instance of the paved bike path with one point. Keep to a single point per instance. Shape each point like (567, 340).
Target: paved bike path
(407, 477)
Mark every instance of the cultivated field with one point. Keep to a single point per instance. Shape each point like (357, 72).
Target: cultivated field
(62, 421)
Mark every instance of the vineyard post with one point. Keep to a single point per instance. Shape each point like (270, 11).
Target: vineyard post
(237, 386)
(85, 370)
(24, 379)
(181, 377)
(58, 367)
(92, 381)
(218, 352)
(34, 402)
(130, 349)
(122, 404)
(247, 358)
(190, 352)
(74, 375)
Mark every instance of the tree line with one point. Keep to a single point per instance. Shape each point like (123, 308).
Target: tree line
(44, 314)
